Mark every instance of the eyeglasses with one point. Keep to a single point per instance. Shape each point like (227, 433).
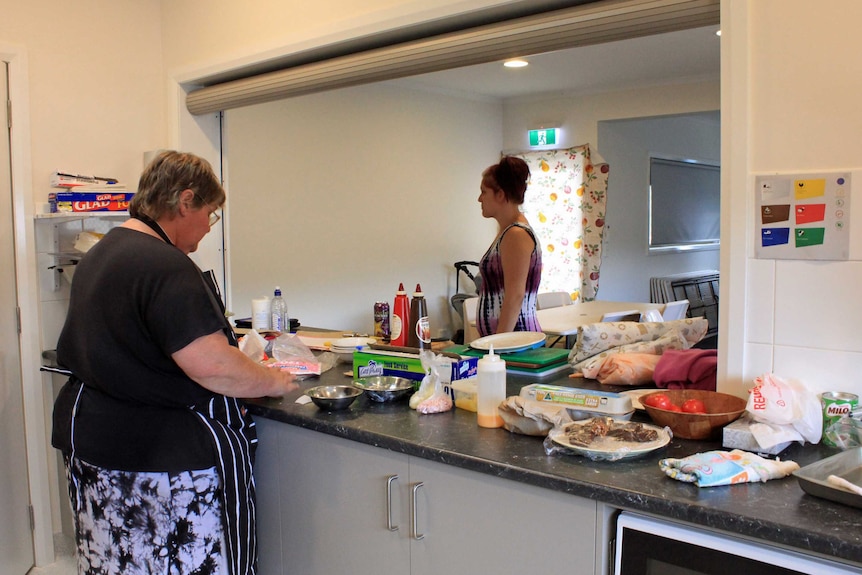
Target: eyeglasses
(213, 217)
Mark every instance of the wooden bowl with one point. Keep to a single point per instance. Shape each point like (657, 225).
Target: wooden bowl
(721, 409)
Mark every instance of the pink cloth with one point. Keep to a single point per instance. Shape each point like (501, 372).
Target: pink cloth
(687, 369)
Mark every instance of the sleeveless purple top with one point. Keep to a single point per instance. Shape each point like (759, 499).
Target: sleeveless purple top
(491, 292)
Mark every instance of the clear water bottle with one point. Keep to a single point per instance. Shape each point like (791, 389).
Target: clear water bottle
(280, 319)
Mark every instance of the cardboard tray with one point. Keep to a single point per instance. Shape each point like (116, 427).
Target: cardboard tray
(847, 465)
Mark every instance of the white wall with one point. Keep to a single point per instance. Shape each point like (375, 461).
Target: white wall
(578, 115)
(625, 264)
(88, 89)
(96, 84)
(321, 168)
(803, 82)
(338, 197)
(212, 36)
(627, 146)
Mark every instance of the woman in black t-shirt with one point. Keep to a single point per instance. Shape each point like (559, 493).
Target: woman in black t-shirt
(157, 443)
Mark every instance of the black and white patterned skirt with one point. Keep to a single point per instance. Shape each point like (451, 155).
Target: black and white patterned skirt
(134, 523)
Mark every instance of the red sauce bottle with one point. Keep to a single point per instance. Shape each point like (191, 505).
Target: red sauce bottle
(400, 318)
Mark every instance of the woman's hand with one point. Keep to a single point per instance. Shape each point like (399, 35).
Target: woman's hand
(219, 367)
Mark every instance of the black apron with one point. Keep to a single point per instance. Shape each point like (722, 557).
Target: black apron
(235, 439)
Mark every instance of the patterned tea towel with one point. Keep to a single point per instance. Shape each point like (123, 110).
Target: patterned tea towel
(725, 468)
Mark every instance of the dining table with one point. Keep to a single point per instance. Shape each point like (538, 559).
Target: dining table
(564, 321)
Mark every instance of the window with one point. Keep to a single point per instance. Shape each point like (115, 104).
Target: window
(684, 205)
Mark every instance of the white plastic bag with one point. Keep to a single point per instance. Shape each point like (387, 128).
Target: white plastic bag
(253, 345)
(439, 401)
(429, 382)
(785, 411)
(290, 354)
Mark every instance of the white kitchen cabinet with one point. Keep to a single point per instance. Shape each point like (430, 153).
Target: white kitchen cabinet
(476, 523)
(325, 498)
(323, 510)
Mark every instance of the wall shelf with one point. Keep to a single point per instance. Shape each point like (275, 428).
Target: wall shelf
(69, 216)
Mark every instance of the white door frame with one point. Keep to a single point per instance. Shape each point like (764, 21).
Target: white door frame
(35, 400)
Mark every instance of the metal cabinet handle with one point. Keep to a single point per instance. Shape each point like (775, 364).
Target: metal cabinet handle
(416, 535)
(389, 524)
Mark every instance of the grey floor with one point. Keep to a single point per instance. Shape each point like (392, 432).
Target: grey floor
(64, 564)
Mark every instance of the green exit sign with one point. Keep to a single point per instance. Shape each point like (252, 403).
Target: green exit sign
(543, 137)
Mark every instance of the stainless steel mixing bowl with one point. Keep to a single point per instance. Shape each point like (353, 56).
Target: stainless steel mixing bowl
(385, 387)
(333, 397)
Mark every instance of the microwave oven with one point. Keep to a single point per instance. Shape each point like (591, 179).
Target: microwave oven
(649, 546)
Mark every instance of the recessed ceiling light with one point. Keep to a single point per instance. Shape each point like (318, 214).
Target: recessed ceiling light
(515, 63)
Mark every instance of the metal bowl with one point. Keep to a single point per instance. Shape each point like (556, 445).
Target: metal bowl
(385, 387)
(333, 397)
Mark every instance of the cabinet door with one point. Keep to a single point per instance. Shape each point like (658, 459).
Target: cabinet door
(475, 523)
(327, 499)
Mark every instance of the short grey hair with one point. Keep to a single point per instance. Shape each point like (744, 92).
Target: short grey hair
(167, 176)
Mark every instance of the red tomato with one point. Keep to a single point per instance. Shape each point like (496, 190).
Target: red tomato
(693, 406)
(674, 407)
(659, 400)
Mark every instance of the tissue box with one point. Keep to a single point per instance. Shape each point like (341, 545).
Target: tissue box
(89, 201)
(371, 362)
(737, 435)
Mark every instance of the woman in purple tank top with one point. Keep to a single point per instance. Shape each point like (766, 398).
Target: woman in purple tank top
(512, 267)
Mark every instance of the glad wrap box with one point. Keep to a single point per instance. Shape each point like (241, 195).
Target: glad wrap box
(75, 202)
(371, 362)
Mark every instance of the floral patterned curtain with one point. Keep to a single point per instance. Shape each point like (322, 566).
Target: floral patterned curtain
(565, 204)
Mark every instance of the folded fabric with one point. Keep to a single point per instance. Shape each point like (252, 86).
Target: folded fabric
(670, 340)
(635, 337)
(725, 468)
(624, 369)
(687, 369)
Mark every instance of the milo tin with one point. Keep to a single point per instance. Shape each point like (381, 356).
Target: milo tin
(381, 320)
(836, 404)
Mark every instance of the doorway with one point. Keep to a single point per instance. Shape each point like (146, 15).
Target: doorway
(16, 539)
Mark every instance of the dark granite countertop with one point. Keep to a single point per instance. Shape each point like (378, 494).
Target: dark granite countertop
(777, 511)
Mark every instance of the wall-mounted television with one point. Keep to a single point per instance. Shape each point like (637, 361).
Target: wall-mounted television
(684, 204)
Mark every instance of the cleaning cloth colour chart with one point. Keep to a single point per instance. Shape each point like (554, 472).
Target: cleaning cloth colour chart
(803, 216)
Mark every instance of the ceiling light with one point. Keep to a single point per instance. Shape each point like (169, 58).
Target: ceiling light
(515, 63)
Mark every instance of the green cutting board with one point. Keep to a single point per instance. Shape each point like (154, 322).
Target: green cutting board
(530, 358)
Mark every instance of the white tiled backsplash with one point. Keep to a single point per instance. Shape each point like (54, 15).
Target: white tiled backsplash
(804, 321)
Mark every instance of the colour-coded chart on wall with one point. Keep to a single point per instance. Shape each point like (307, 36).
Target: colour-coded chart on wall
(803, 216)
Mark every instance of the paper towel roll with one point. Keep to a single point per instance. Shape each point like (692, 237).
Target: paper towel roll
(260, 313)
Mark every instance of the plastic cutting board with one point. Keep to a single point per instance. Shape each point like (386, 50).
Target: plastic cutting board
(530, 359)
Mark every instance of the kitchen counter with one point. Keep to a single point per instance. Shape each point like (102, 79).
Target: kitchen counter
(777, 511)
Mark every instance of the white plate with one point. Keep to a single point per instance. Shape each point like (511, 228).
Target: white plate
(350, 343)
(635, 395)
(608, 447)
(509, 341)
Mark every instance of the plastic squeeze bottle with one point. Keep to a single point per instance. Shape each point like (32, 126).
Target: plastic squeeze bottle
(400, 318)
(490, 389)
(419, 329)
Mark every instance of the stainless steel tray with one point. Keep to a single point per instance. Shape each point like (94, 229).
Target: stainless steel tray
(847, 465)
